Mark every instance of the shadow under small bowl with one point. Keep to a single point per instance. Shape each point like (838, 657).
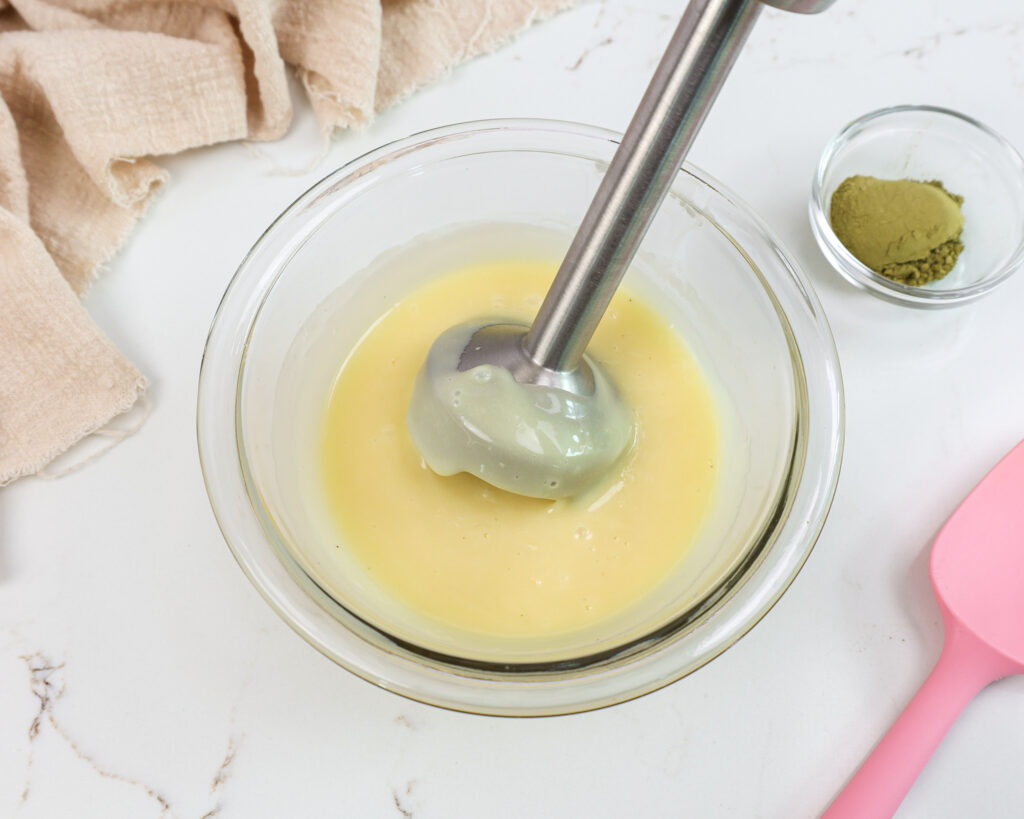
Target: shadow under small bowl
(467, 194)
(927, 143)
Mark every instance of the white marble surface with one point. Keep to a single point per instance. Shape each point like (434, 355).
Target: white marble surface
(141, 675)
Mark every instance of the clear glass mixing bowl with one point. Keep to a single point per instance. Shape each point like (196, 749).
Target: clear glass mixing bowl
(349, 247)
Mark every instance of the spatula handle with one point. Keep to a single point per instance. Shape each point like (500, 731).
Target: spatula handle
(877, 789)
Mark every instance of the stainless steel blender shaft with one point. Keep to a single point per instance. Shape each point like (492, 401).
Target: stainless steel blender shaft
(688, 78)
(698, 58)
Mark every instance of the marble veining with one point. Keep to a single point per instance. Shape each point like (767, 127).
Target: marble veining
(400, 797)
(48, 684)
(47, 681)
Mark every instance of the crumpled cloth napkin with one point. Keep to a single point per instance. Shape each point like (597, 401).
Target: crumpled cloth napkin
(90, 88)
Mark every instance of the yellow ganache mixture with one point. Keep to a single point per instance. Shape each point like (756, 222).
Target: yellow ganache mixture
(464, 554)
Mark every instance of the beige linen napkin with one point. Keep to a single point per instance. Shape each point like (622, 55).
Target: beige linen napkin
(90, 88)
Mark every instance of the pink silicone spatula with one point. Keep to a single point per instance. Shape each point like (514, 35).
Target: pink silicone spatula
(977, 569)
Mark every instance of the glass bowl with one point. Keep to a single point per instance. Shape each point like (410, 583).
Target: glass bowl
(925, 143)
(349, 247)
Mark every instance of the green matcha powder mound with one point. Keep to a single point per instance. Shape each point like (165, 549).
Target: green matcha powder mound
(907, 231)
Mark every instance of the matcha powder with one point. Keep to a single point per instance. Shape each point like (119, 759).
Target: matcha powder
(907, 231)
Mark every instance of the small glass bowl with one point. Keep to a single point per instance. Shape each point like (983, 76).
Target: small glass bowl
(925, 143)
(327, 268)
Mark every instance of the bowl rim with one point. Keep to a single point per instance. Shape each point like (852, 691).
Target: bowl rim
(859, 274)
(217, 430)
